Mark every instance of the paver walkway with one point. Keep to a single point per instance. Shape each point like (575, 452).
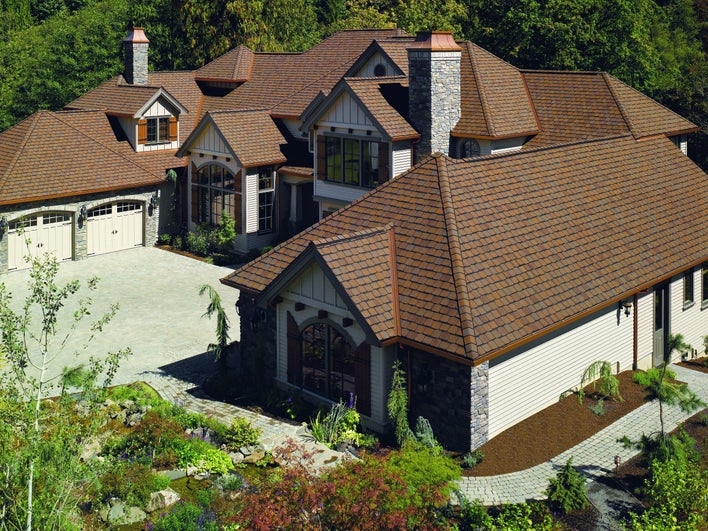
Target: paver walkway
(594, 457)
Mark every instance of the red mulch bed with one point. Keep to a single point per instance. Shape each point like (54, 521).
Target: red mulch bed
(554, 430)
(700, 364)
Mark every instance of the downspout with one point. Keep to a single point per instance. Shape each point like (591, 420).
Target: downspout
(635, 346)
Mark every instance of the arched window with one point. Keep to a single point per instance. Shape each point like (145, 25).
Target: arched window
(328, 367)
(215, 191)
(469, 147)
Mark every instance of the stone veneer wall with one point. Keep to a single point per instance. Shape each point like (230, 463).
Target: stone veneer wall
(73, 205)
(258, 342)
(434, 98)
(452, 396)
(136, 63)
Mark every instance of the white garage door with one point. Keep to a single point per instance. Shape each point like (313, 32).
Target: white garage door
(35, 235)
(114, 226)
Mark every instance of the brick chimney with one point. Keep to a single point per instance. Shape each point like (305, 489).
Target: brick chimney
(136, 57)
(434, 90)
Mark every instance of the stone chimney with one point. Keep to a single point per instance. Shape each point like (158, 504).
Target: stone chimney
(434, 90)
(136, 57)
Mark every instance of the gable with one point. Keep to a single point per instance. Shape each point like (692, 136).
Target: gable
(312, 284)
(378, 65)
(345, 112)
(209, 141)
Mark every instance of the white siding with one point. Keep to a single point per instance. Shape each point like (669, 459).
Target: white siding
(691, 322)
(401, 154)
(210, 142)
(367, 69)
(645, 330)
(345, 112)
(250, 201)
(130, 128)
(293, 126)
(340, 192)
(554, 366)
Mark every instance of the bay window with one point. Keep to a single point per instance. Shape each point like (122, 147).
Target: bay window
(352, 161)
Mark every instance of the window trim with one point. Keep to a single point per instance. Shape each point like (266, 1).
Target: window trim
(266, 173)
(689, 297)
(704, 285)
(232, 208)
(340, 174)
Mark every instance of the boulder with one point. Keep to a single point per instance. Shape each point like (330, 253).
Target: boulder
(162, 499)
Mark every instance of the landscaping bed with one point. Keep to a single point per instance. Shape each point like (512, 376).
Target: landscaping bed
(554, 430)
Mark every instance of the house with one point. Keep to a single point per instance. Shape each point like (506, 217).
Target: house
(278, 141)
(495, 229)
(494, 280)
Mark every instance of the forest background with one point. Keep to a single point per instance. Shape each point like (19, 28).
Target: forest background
(52, 51)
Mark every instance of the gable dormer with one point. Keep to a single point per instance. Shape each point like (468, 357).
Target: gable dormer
(374, 62)
(156, 123)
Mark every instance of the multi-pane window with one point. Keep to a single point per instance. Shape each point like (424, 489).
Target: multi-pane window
(266, 199)
(704, 283)
(688, 287)
(158, 130)
(327, 362)
(352, 161)
(217, 193)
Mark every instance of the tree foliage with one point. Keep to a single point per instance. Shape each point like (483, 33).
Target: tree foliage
(41, 440)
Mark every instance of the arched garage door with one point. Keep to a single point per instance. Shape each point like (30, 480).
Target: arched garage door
(114, 226)
(35, 235)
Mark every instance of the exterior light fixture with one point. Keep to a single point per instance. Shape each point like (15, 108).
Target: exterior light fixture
(153, 200)
(3, 224)
(627, 305)
(82, 211)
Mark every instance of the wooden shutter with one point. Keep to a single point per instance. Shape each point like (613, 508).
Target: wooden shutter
(173, 129)
(321, 157)
(294, 352)
(383, 162)
(362, 378)
(142, 131)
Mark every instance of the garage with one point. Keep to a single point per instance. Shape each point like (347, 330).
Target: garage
(114, 227)
(49, 232)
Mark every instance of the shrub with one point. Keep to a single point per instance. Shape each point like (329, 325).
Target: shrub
(421, 468)
(202, 455)
(599, 408)
(606, 384)
(397, 404)
(473, 515)
(154, 435)
(161, 482)
(524, 517)
(338, 426)
(566, 492)
(425, 437)
(131, 482)
(185, 517)
(472, 459)
(241, 433)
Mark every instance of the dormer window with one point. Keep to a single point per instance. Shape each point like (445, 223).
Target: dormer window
(352, 161)
(159, 130)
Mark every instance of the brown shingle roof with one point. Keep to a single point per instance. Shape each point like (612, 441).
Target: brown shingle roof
(232, 67)
(252, 135)
(491, 252)
(576, 106)
(71, 153)
(369, 92)
(115, 96)
(494, 100)
(646, 117)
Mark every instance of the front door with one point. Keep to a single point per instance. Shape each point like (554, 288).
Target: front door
(661, 323)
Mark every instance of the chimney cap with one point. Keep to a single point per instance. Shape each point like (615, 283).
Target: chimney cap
(435, 41)
(136, 35)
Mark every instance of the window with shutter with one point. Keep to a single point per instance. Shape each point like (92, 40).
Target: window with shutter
(173, 129)
(142, 131)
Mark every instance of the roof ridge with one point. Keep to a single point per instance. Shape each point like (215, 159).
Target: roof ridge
(622, 110)
(458, 267)
(393, 268)
(109, 148)
(486, 111)
(25, 138)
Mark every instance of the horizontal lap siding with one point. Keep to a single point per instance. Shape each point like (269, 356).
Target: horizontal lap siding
(691, 323)
(401, 158)
(534, 378)
(645, 330)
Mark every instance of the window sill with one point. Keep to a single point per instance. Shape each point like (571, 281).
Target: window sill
(688, 304)
(704, 304)
(349, 185)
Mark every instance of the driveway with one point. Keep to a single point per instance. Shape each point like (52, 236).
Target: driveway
(160, 315)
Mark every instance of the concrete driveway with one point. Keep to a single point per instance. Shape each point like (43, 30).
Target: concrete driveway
(160, 316)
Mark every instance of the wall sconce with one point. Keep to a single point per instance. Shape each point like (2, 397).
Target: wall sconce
(3, 224)
(153, 200)
(83, 211)
(627, 306)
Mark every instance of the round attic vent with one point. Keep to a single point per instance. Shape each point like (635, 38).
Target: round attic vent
(380, 70)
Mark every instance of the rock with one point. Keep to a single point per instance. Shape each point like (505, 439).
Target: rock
(133, 419)
(162, 499)
(236, 457)
(255, 456)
